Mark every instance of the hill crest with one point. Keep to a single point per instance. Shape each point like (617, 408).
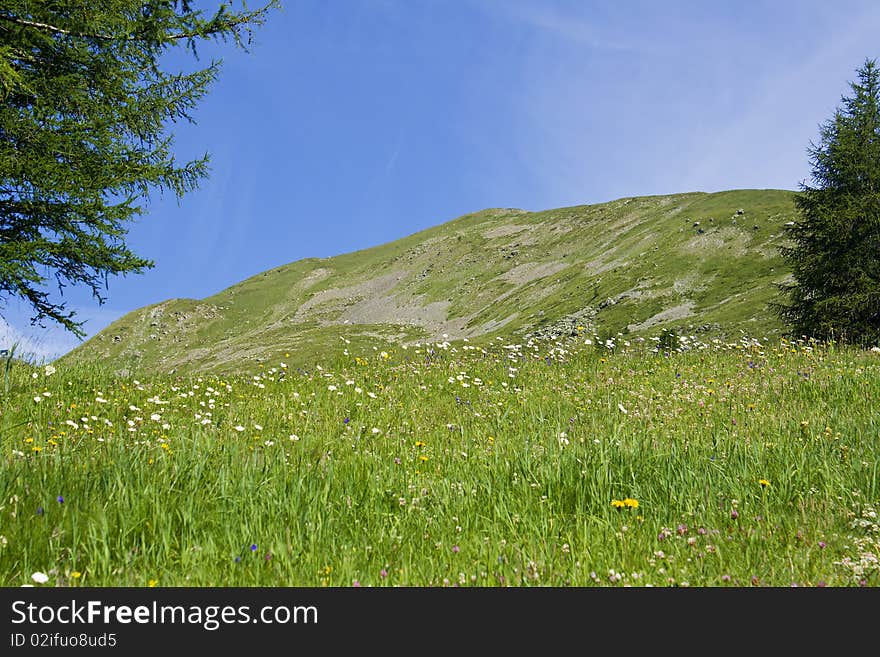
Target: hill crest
(697, 261)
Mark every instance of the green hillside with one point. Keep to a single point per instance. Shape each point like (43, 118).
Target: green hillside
(703, 263)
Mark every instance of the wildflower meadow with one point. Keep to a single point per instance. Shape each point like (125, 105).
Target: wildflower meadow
(574, 462)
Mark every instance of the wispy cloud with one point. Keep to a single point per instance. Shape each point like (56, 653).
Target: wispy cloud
(44, 344)
(765, 144)
(677, 100)
(381, 174)
(34, 344)
(568, 25)
(393, 159)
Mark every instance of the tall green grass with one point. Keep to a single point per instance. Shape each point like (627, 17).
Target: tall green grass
(505, 465)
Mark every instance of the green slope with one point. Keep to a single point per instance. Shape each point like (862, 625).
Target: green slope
(703, 263)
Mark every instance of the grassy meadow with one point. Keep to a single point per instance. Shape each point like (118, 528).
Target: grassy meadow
(566, 463)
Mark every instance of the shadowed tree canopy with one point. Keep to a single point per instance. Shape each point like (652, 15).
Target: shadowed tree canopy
(85, 107)
(834, 250)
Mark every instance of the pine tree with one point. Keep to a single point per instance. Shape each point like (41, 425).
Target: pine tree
(834, 248)
(85, 109)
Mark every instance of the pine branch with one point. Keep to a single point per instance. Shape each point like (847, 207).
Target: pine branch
(84, 107)
(213, 27)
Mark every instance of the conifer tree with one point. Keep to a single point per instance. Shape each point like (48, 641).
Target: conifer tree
(834, 246)
(85, 112)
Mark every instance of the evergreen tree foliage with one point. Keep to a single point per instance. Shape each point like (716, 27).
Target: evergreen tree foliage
(834, 246)
(85, 111)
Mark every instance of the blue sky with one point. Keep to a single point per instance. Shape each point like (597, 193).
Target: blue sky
(352, 123)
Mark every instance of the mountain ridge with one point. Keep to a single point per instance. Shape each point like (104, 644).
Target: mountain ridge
(694, 261)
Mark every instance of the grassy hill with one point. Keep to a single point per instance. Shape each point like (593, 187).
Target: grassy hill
(699, 262)
(746, 463)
